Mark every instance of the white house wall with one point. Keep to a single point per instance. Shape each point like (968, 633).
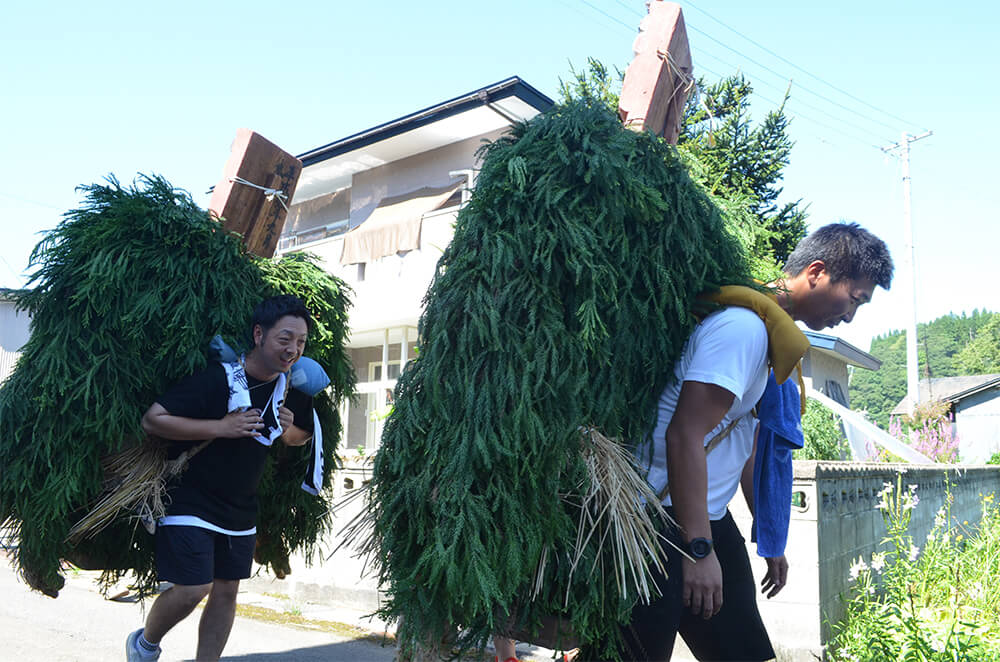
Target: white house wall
(820, 368)
(14, 332)
(977, 421)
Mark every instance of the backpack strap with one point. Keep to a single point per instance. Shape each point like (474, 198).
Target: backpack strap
(710, 446)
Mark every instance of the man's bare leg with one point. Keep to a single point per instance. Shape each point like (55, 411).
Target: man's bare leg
(505, 648)
(217, 619)
(170, 608)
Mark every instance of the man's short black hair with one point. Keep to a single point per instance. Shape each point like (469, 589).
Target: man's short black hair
(848, 251)
(272, 309)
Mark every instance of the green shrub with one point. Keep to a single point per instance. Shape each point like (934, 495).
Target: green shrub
(824, 438)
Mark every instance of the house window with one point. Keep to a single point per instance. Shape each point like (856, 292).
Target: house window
(375, 370)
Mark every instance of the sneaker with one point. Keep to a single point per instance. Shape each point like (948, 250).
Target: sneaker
(135, 653)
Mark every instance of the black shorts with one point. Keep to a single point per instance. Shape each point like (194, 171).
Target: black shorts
(735, 633)
(191, 555)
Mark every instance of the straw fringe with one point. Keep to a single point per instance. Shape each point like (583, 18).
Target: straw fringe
(135, 481)
(621, 509)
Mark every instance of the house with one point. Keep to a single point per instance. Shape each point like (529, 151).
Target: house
(974, 403)
(14, 332)
(826, 366)
(378, 208)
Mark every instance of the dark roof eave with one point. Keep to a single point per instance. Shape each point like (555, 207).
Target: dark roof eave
(844, 349)
(961, 395)
(509, 87)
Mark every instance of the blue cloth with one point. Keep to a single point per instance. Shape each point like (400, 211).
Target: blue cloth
(780, 433)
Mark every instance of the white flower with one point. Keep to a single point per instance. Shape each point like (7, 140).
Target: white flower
(939, 518)
(857, 568)
(914, 550)
(878, 561)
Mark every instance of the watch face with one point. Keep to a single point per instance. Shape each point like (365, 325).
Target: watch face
(700, 547)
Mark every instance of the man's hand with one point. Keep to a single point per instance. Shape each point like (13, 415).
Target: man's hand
(703, 586)
(774, 579)
(286, 418)
(239, 424)
(291, 434)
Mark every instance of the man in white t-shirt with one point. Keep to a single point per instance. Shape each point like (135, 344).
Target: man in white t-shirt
(711, 601)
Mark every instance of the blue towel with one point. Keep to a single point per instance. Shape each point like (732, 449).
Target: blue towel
(780, 433)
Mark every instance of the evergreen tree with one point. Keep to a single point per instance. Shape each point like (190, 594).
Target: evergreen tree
(743, 162)
(562, 302)
(948, 346)
(982, 355)
(739, 163)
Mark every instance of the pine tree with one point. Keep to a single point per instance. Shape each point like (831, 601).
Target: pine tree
(742, 162)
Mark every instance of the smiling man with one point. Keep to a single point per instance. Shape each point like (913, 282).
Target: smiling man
(225, 417)
(704, 441)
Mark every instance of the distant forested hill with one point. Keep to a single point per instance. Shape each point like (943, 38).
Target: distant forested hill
(949, 346)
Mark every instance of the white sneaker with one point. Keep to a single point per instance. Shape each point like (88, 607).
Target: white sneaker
(135, 653)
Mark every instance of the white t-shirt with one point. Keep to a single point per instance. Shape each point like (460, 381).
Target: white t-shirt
(728, 349)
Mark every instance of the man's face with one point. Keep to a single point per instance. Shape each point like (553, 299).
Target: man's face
(831, 303)
(283, 343)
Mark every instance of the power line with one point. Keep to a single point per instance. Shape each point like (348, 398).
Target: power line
(835, 130)
(772, 71)
(631, 28)
(29, 201)
(792, 64)
(840, 132)
(766, 68)
(799, 102)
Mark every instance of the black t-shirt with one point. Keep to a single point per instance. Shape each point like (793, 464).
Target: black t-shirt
(220, 482)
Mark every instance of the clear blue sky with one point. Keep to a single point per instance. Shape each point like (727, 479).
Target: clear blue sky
(98, 88)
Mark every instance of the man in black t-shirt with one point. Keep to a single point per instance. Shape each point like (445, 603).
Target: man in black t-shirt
(205, 543)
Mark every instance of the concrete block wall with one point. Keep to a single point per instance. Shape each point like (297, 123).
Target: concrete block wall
(835, 522)
(838, 523)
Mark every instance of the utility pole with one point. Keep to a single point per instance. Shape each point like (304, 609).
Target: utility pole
(909, 267)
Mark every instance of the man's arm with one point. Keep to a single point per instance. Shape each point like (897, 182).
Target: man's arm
(159, 422)
(746, 478)
(777, 566)
(700, 408)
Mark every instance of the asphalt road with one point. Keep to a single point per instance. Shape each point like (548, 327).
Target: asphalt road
(81, 626)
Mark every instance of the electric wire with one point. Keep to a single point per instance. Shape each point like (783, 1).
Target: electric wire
(792, 64)
(776, 73)
(795, 101)
(793, 115)
(807, 118)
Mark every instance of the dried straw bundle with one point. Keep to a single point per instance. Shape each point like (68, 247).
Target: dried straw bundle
(621, 509)
(135, 481)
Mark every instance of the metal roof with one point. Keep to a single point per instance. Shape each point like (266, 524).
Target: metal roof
(843, 350)
(490, 94)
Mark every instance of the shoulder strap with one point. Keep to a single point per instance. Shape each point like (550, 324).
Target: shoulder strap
(710, 446)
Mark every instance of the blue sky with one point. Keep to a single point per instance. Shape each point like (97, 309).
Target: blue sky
(118, 88)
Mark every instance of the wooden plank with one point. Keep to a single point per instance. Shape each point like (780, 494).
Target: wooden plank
(250, 211)
(658, 80)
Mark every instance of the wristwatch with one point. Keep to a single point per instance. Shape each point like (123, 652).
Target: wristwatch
(699, 548)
